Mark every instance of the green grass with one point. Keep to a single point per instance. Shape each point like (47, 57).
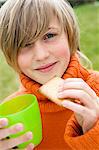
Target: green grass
(8, 79)
(88, 16)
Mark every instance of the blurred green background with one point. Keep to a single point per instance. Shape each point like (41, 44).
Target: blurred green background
(88, 17)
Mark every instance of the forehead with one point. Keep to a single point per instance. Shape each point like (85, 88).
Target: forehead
(54, 23)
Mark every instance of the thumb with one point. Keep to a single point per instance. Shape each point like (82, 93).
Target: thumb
(30, 146)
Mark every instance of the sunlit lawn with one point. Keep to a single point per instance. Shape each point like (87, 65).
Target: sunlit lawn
(88, 16)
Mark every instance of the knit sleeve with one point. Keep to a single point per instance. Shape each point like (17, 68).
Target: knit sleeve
(77, 140)
(93, 81)
(73, 133)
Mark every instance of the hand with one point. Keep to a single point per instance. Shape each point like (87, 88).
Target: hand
(87, 112)
(9, 143)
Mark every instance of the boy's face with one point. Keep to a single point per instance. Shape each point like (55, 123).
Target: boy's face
(49, 56)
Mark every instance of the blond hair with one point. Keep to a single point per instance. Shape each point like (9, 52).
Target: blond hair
(24, 21)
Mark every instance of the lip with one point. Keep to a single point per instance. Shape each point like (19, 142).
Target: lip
(46, 67)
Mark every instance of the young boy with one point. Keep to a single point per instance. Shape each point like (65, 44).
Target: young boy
(40, 40)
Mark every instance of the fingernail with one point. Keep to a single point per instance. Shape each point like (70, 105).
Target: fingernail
(31, 146)
(64, 103)
(60, 88)
(59, 95)
(3, 122)
(19, 127)
(29, 135)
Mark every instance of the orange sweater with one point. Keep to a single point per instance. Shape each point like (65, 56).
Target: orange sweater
(60, 130)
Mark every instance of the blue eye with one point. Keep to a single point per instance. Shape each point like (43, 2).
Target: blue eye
(49, 36)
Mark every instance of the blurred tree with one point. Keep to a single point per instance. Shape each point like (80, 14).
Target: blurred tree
(78, 2)
(72, 2)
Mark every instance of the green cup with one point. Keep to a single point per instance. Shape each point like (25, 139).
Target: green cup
(23, 109)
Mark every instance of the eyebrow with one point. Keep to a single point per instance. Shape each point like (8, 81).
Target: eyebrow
(52, 28)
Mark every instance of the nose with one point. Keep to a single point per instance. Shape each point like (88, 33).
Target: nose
(41, 52)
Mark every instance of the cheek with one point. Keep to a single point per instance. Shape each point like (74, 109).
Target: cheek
(23, 62)
(63, 52)
(25, 58)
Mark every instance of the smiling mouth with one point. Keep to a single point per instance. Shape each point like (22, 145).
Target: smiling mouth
(46, 68)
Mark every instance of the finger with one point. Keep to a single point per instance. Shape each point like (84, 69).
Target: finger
(3, 122)
(11, 130)
(79, 109)
(68, 80)
(74, 80)
(80, 85)
(84, 98)
(30, 146)
(12, 142)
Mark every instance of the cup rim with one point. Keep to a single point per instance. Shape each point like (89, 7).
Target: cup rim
(24, 109)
